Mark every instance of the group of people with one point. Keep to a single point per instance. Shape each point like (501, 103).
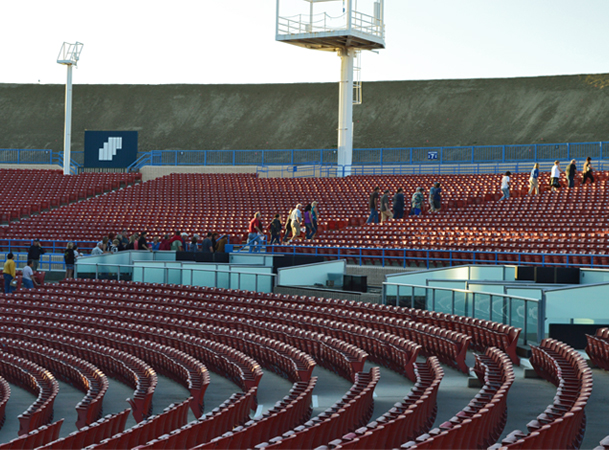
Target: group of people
(570, 172)
(297, 220)
(380, 205)
(9, 272)
(114, 243)
(28, 280)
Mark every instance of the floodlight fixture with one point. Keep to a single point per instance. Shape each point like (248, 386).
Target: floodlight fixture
(68, 56)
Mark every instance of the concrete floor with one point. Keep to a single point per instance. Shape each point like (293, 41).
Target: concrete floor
(527, 398)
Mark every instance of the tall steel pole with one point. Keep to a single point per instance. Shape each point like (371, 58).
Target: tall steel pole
(67, 137)
(345, 112)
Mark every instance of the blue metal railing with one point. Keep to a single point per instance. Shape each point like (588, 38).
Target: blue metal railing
(35, 156)
(402, 257)
(396, 257)
(432, 156)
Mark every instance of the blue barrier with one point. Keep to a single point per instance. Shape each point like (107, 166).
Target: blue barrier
(447, 258)
(431, 156)
(35, 156)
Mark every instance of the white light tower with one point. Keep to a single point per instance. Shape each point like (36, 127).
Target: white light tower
(68, 55)
(340, 27)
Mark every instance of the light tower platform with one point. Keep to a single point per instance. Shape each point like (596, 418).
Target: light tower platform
(323, 32)
(342, 28)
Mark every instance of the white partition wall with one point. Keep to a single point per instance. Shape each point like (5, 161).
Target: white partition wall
(310, 274)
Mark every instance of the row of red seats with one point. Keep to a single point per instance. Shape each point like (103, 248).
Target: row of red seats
(78, 372)
(414, 415)
(102, 429)
(294, 409)
(5, 394)
(482, 333)
(352, 411)
(34, 379)
(131, 370)
(172, 417)
(233, 412)
(481, 422)
(26, 192)
(179, 366)
(36, 438)
(598, 348)
(563, 423)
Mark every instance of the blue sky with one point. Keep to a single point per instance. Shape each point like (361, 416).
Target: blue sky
(233, 41)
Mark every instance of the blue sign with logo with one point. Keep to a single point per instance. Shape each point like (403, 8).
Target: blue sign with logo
(110, 149)
(432, 155)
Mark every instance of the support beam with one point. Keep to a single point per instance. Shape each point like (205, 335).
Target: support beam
(345, 112)
(67, 138)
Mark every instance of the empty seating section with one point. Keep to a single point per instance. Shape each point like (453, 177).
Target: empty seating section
(124, 366)
(103, 428)
(5, 394)
(230, 414)
(563, 422)
(27, 192)
(293, 410)
(480, 423)
(36, 438)
(36, 380)
(414, 415)
(173, 417)
(182, 331)
(598, 348)
(353, 411)
(75, 371)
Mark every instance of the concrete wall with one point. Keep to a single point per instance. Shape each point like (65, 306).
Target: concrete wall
(394, 114)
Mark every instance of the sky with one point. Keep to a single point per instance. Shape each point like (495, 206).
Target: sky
(233, 41)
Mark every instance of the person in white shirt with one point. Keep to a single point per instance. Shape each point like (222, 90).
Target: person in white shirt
(555, 176)
(534, 180)
(97, 250)
(505, 185)
(296, 219)
(27, 273)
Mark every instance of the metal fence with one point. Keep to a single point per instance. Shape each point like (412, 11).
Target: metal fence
(431, 156)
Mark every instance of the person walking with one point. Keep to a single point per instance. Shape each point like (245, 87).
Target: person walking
(34, 253)
(385, 210)
(555, 176)
(69, 259)
(587, 171)
(398, 204)
(570, 171)
(315, 218)
(373, 204)
(254, 233)
(416, 202)
(435, 197)
(28, 278)
(288, 226)
(9, 272)
(296, 221)
(505, 185)
(534, 180)
(275, 230)
(308, 221)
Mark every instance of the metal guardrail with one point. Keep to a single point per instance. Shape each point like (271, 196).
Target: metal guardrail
(128, 268)
(387, 256)
(505, 316)
(425, 156)
(447, 258)
(35, 156)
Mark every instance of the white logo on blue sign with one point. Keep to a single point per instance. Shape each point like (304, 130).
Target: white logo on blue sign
(108, 151)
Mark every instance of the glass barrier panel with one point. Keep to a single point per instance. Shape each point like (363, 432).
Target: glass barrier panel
(482, 306)
(532, 311)
(518, 311)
